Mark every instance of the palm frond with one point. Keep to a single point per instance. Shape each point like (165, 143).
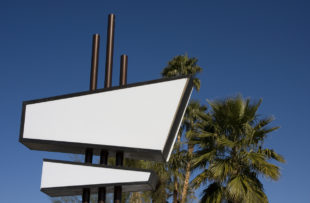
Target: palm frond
(183, 65)
(230, 150)
(221, 169)
(271, 154)
(214, 193)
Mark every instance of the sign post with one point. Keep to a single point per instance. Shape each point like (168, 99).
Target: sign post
(120, 154)
(137, 121)
(93, 86)
(104, 154)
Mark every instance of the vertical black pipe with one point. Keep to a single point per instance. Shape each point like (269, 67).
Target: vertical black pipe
(119, 158)
(107, 83)
(92, 87)
(101, 195)
(86, 195)
(109, 53)
(120, 154)
(122, 81)
(123, 70)
(118, 194)
(104, 157)
(102, 190)
(88, 155)
(94, 62)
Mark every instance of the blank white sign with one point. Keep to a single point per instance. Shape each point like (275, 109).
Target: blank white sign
(61, 177)
(138, 117)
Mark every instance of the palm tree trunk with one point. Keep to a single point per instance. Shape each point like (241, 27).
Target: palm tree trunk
(136, 197)
(175, 182)
(179, 137)
(175, 191)
(187, 174)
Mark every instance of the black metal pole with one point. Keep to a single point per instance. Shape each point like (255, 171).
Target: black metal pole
(120, 154)
(92, 87)
(109, 53)
(118, 188)
(123, 70)
(86, 195)
(102, 190)
(118, 194)
(94, 62)
(107, 83)
(89, 155)
(101, 195)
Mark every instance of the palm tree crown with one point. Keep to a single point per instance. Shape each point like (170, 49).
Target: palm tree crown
(183, 65)
(231, 152)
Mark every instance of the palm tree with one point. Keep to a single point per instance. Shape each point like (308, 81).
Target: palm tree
(180, 66)
(190, 120)
(231, 152)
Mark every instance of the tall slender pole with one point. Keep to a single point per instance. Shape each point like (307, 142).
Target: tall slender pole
(94, 62)
(92, 87)
(123, 70)
(107, 83)
(86, 195)
(120, 154)
(109, 53)
(102, 190)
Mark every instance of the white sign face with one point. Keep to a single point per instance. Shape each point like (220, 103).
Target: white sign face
(62, 178)
(140, 119)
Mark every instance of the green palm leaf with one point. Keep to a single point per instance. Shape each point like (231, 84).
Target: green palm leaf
(231, 152)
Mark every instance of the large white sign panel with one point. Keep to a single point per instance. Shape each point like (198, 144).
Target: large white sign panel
(62, 178)
(140, 119)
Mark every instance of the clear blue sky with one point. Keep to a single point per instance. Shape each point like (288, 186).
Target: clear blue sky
(257, 48)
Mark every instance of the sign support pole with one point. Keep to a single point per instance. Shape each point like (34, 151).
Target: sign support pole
(92, 87)
(102, 190)
(109, 52)
(107, 83)
(123, 71)
(120, 154)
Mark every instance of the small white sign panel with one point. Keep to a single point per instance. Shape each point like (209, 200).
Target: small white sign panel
(140, 118)
(61, 178)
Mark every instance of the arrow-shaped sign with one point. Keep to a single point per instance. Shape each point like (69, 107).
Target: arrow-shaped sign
(63, 178)
(140, 119)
